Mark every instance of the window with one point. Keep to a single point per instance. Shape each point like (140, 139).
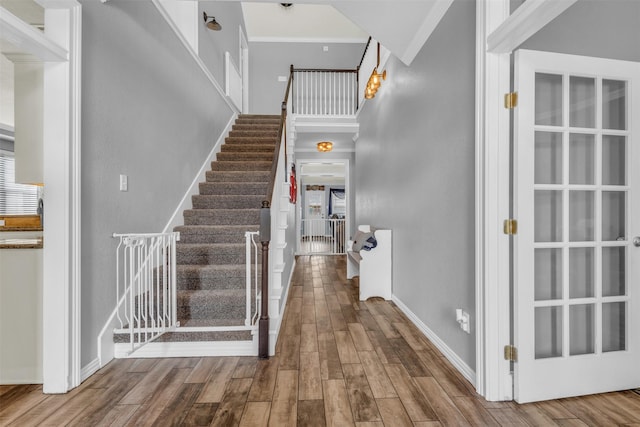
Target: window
(15, 199)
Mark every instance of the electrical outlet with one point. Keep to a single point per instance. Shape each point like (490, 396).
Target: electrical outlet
(1, 222)
(325, 48)
(463, 320)
(282, 78)
(124, 182)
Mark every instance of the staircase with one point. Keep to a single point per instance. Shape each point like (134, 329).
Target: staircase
(211, 287)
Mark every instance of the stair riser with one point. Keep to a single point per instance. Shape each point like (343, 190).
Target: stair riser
(214, 235)
(231, 176)
(221, 217)
(254, 133)
(244, 156)
(220, 308)
(247, 140)
(242, 189)
(209, 284)
(241, 166)
(227, 202)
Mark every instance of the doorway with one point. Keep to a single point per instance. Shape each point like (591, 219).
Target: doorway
(323, 211)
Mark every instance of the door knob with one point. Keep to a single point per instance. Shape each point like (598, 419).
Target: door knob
(636, 241)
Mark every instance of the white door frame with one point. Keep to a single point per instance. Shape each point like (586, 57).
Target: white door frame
(61, 252)
(498, 33)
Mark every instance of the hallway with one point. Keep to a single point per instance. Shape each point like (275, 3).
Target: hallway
(339, 362)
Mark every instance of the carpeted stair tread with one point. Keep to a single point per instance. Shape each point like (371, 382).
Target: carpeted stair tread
(214, 233)
(211, 277)
(221, 216)
(216, 201)
(255, 133)
(244, 156)
(233, 188)
(203, 323)
(248, 147)
(238, 176)
(179, 336)
(241, 166)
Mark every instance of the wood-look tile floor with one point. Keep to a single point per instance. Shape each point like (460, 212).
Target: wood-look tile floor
(339, 362)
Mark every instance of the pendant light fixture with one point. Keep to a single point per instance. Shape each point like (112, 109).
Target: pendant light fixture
(375, 80)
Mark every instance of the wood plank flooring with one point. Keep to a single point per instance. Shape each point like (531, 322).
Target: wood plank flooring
(339, 362)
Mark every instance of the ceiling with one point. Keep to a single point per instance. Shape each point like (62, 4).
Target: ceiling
(299, 22)
(402, 26)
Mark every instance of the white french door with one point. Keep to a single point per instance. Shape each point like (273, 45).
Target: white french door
(577, 201)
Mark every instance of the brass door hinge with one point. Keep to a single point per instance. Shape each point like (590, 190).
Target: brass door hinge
(511, 100)
(510, 353)
(510, 226)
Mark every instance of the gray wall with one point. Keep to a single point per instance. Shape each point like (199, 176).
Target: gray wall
(147, 112)
(213, 44)
(270, 60)
(601, 28)
(416, 176)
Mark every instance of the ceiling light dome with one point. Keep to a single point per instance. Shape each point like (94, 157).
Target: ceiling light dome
(325, 146)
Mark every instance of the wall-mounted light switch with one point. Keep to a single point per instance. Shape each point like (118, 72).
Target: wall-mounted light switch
(124, 183)
(463, 320)
(282, 78)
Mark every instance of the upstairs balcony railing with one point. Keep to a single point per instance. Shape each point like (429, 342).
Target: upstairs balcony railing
(319, 92)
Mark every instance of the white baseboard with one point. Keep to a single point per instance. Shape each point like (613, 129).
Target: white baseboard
(455, 360)
(90, 369)
(189, 349)
(176, 219)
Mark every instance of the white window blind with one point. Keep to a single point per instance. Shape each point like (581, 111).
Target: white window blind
(15, 199)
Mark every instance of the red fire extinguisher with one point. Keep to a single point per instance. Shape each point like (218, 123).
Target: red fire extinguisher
(293, 187)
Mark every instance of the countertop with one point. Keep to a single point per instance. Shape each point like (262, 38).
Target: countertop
(28, 243)
(20, 238)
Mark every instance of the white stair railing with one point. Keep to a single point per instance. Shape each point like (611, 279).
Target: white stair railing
(252, 278)
(325, 92)
(146, 286)
(323, 236)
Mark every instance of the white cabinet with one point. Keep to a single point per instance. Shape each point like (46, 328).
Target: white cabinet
(373, 266)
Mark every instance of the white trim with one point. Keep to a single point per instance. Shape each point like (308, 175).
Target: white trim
(158, 4)
(433, 18)
(188, 349)
(28, 39)
(275, 331)
(451, 355)
(493, 321)
(175, 219)
(527, 20)
(61, 254)
(254, 39)
(90, 369)
(244, 61)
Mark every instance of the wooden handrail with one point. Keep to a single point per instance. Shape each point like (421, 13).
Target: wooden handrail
(326, 70)
(265, 230)
(276, 153)
(365, 52)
